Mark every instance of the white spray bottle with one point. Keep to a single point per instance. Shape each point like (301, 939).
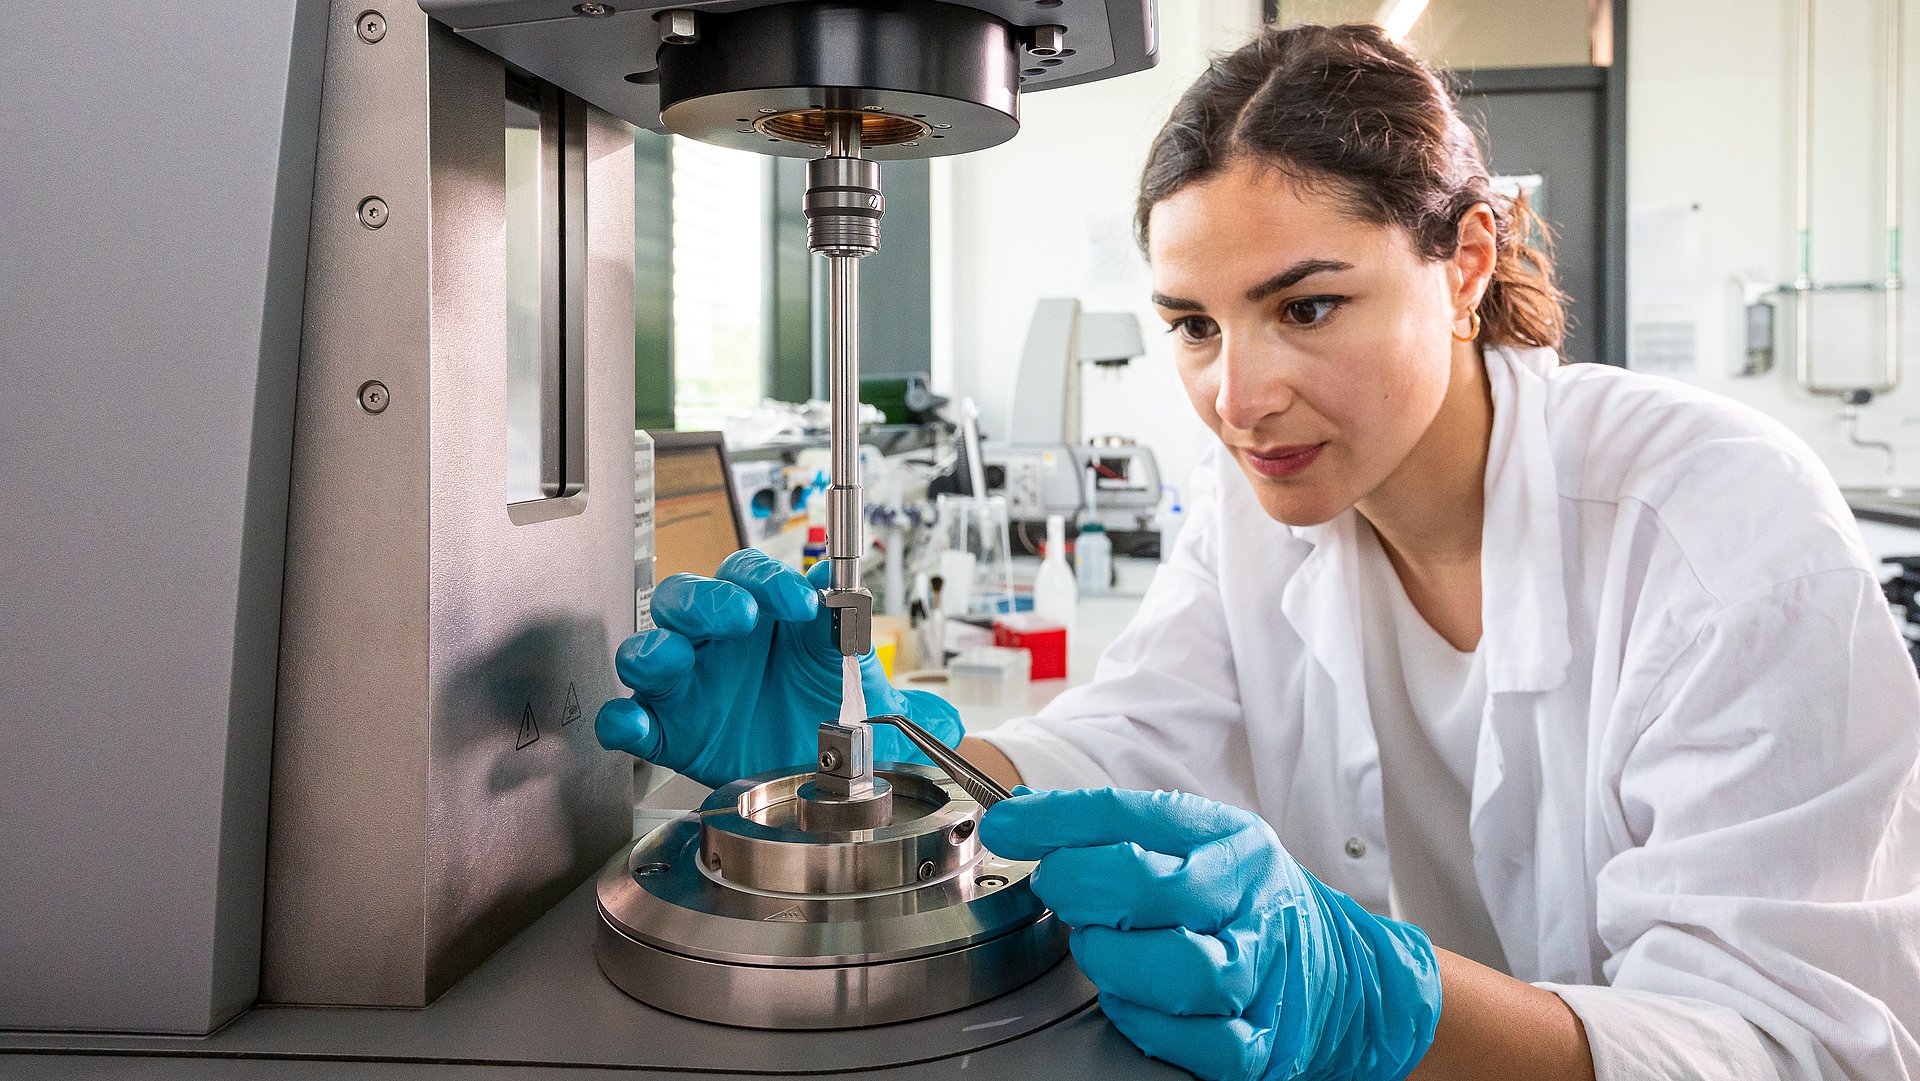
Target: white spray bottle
(1055, 596)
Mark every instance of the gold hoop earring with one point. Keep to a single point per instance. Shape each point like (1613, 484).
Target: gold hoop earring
(1473, 327)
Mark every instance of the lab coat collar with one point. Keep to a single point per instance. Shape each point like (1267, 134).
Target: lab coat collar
(1523, 606)
(1322, 602)
(1523, 589)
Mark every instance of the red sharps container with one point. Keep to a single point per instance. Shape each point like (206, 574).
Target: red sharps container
(1039, 636)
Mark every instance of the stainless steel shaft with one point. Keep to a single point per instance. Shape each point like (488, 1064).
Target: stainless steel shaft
(844, 509)
(843, 207)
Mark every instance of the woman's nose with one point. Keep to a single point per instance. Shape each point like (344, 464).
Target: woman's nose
(1253, 386)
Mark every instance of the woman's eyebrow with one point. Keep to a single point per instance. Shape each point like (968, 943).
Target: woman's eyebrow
(1293, 275)
(1286, 279)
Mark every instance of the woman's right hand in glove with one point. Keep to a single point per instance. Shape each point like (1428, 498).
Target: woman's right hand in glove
(739, 675)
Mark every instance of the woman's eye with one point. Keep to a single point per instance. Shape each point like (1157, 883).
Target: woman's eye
(1309, 312)
(1193, 329)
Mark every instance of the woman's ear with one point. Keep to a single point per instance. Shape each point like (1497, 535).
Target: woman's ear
(1474, 257)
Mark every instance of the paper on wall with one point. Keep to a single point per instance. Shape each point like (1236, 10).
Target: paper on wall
(1663, 273)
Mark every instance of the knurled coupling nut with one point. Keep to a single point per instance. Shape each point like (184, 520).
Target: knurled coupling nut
(843, 206)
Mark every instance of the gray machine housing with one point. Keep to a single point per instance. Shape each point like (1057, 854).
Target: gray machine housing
(434, 787)
(153, 225)
(607, 53)
(184, 253)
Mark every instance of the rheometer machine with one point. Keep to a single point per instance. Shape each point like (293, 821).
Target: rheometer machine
(356, 818)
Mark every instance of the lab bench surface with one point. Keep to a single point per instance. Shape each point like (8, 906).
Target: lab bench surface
(540, 1008)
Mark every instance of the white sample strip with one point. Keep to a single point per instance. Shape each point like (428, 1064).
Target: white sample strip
(853, 700)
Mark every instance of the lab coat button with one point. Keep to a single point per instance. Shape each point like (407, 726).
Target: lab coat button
(1356, 848)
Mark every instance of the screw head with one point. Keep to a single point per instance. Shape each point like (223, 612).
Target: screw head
(990, 882)
(374, 396)
(679, 27)
(373, 212)
(926, 870)
(371, 26)
(1047, 40)
(593, 11)
(829, 761)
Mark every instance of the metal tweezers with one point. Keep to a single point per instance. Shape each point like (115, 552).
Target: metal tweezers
(984, 789)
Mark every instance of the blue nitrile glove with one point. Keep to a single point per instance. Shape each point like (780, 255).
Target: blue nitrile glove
(1212, 948)
(740, 673)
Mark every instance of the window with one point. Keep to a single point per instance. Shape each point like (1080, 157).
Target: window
(720, 249)
(724, 284)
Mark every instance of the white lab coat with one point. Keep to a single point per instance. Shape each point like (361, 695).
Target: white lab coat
(1695, 814)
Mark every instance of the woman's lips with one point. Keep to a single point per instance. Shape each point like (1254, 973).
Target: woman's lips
(1283, 461)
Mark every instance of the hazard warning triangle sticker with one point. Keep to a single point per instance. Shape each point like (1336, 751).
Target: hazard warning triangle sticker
(786, 915)
(572, 712)
(529, 728)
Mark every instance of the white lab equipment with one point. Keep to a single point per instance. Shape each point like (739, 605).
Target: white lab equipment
(1060, 339)
(990, 675)
(1171, 518)
(1055, 594)
(956, 570)
(1655, 622)
(976, 526)
(1112, 474)
(1123, 482)
(1038, 479)
(1093, 560)
(760, 488)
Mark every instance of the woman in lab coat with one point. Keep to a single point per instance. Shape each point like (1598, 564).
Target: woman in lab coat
(1572, 688)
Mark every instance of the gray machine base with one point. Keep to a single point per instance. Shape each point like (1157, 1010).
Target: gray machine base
(540, 1005)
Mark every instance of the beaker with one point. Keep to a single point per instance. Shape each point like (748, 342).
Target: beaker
(977, 525)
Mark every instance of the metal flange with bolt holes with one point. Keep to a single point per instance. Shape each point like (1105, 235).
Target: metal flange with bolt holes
(736, 913)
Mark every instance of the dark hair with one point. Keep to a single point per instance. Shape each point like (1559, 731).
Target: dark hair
(1343, 109)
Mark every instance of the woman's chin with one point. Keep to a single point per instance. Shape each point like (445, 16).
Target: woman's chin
(1298, 506)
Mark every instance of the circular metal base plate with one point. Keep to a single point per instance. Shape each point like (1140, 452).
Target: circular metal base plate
(676, 934)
